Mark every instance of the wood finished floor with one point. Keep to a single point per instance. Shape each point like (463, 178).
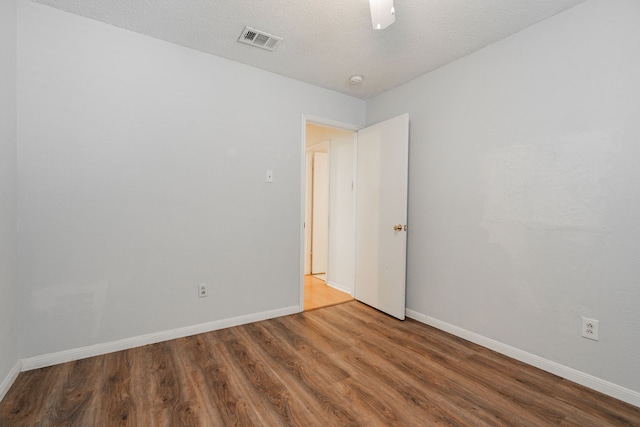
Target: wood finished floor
(343, 365)
(318, 294)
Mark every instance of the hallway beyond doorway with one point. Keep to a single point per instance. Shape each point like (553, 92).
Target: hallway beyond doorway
(318, 294)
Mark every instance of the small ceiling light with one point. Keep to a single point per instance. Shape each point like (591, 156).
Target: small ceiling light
(356, 79)
(383, 13)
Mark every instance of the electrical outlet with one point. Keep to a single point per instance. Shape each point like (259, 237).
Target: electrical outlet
(590, 328)
(202, 290)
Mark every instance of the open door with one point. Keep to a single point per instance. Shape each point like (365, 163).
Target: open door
(381, 215)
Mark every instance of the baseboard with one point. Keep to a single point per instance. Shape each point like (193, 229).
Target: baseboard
(626, 395)
(339, 287)
(127, 343)
(416, 316)
(9, 379)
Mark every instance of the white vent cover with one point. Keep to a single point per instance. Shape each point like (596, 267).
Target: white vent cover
(259, 39)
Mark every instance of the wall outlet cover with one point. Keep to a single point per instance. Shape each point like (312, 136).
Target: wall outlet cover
(590, 328)
(202, 290)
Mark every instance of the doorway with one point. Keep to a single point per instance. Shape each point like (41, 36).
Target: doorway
(329, 206)
(378, 233)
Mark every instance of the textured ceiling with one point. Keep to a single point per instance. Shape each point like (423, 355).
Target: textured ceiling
(326, 41)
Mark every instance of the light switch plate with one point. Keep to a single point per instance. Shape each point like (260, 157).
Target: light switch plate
(269, 176)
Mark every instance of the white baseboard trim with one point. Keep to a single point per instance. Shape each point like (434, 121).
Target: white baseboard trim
(626, 395)
(339, 287)
(416, 316)
(10, 379)
(127, 343)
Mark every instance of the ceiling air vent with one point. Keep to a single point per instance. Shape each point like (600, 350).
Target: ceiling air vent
(259, 39)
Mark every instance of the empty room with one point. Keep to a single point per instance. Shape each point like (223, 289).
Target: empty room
(477, 166)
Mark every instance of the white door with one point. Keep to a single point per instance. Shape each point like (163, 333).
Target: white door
(381, 215)
(320, 220)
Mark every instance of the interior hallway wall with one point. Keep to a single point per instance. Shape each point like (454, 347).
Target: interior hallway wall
(524, 199)
(142, 174)
(9, 354)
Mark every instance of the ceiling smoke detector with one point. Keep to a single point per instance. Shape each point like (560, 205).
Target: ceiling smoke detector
(356, 79)
(259, 39)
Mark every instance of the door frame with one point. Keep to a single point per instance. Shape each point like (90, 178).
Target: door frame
(306, 118)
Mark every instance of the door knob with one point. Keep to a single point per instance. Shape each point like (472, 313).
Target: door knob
(397, 227)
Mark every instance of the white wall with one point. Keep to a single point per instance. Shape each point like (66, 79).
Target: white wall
(142, 173)
(9, 354)
(524, 203)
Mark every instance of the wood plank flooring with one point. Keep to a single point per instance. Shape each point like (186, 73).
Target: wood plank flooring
(318, 294)
(343, 365)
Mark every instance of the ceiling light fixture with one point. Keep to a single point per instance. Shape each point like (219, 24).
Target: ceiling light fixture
(383, 13)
